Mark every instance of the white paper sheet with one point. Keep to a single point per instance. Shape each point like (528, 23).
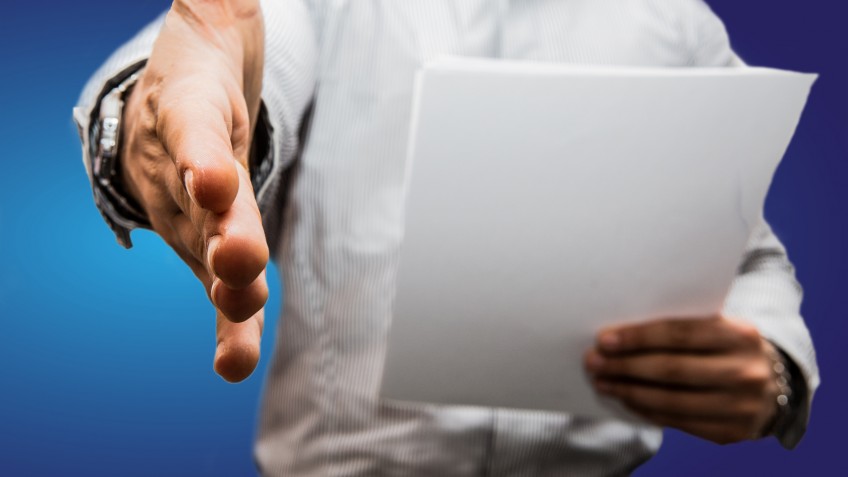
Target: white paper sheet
(545, 201)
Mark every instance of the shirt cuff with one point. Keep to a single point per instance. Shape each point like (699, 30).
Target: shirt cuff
(119, 211)
(794, 426)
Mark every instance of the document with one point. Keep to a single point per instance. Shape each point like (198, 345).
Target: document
(545, 201)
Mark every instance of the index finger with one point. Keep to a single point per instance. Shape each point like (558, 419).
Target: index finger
(678, 334)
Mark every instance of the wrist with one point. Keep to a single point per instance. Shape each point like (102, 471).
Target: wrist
(105, 132)
(786, 396)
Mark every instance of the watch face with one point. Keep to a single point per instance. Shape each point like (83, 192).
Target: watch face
(107, 148)
(104, 132)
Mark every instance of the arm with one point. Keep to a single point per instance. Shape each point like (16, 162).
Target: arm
(766, 294)
(714, 377)
(187, 132)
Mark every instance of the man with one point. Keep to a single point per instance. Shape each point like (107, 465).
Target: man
(202, 134)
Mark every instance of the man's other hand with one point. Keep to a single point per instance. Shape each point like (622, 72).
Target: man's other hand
(709, 377)
(187, 136)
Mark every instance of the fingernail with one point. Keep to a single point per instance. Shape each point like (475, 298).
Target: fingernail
(188, 181)
(609, 340)
(594, 362)
(211, 247)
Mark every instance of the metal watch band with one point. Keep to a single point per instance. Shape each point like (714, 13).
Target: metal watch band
(784, 374)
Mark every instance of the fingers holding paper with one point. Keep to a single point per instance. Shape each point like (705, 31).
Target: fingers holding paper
(710, 377)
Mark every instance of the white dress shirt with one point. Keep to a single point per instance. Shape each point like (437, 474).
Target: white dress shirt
(334, 221)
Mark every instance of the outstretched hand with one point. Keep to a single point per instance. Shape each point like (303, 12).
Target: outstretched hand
(710, 377)
(187, 134)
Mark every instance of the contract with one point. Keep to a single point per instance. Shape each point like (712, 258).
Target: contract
(546, 201)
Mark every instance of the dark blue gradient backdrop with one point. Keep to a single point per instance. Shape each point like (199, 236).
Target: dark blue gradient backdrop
(105, 355)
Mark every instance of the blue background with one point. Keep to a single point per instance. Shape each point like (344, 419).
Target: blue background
(105, 355)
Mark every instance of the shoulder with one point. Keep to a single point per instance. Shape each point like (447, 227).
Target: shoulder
(646, 32)
(700, 31)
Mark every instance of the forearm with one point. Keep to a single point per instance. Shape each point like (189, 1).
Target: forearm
(766, 294)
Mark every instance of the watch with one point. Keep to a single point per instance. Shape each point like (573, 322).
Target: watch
(108, 134)
(121, 212)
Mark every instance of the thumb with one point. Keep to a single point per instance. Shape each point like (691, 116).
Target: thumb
(194, 125)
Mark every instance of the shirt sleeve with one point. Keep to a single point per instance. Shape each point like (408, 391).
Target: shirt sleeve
(288, 86)
(121, 64)
(765, 291)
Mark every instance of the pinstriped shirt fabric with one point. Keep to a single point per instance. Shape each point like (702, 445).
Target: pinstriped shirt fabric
(336, 226)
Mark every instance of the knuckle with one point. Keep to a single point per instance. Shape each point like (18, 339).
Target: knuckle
(671, 370)
(646, 399)
(679, 333)
(757, 375)
(613, 366)
(635, 338)
(749, 335)
(662, 401)
(746, 410)
(626, 393)
(630, 339)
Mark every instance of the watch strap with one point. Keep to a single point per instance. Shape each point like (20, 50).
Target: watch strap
(120, 211)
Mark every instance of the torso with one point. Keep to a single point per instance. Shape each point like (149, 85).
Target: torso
(339, 249)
